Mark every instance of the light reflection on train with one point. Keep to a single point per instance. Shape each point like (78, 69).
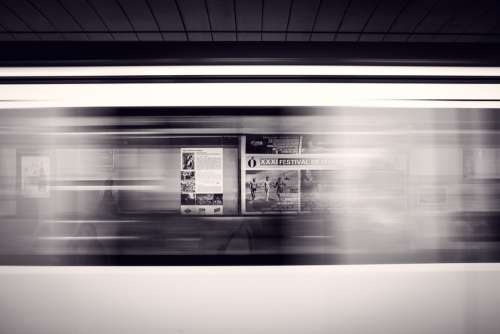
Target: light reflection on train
(363, 185)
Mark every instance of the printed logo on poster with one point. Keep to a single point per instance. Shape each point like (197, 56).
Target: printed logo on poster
(252, 162)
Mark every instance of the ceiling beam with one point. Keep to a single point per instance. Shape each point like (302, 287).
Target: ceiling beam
(245, 53)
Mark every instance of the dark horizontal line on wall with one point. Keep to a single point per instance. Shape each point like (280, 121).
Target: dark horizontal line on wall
(248, 79)
(66, 53)
(197, 112)
(443, 256)
(321, 32)
(172, 111)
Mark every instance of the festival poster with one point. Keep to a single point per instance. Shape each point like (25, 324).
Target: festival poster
(35, 176)
(318, 176)
(201, 181)
(269, 188)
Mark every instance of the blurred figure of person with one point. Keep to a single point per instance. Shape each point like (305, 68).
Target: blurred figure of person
(253, 188)
(108, 204)
(267, 187)
(280, 188)
(308, 190)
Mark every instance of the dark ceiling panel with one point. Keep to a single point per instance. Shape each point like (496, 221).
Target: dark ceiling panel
(276, 18)
(356, 17)
(249, 18)
(38, 21)
(11, 21)
(465, 13)
(493, 26)
(195, 16)
(483, 24)
(88, 18)
(116, 19)
(142, 18)
(409, 19)
(302, 19)
(222, 17)
(383, 17)
(62, 19)
(439, 15)
(5, 35)
(329, 19)
(492, 36)
(169, 19)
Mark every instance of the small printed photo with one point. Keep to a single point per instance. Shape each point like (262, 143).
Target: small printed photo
(271, 190)
(187, 175)
(208, 199)
(188, 161)
(188, 186)
(278, 144)
(187, 199)
(218, 199)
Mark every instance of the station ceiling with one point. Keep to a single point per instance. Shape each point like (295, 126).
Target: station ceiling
(333, 21)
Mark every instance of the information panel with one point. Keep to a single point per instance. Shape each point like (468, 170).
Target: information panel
(201, 181)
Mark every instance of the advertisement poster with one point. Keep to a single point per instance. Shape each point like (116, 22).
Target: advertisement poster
(267, 186)
(201, 181)
(35, 176)
(308, 173)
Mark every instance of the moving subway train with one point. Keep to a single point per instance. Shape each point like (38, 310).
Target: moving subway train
(269, 206)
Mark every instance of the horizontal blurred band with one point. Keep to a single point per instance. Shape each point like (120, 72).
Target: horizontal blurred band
(249, 70)
(268, 94)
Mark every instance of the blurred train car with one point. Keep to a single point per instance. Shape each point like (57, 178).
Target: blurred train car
(273, 207)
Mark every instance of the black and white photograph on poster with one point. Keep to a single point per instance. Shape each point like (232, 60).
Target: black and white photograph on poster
(187, 186)
(209, 199)
(273, 144)
(35, 176)
(201, 181)
(187, 181)
(271, 191)
(188, 161)
(187, 175)
(187, 199)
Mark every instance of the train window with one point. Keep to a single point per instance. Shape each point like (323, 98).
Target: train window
(323, 185)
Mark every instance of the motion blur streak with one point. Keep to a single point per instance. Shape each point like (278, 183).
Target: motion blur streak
(231, 70)
(401, 186)
(402, 95)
